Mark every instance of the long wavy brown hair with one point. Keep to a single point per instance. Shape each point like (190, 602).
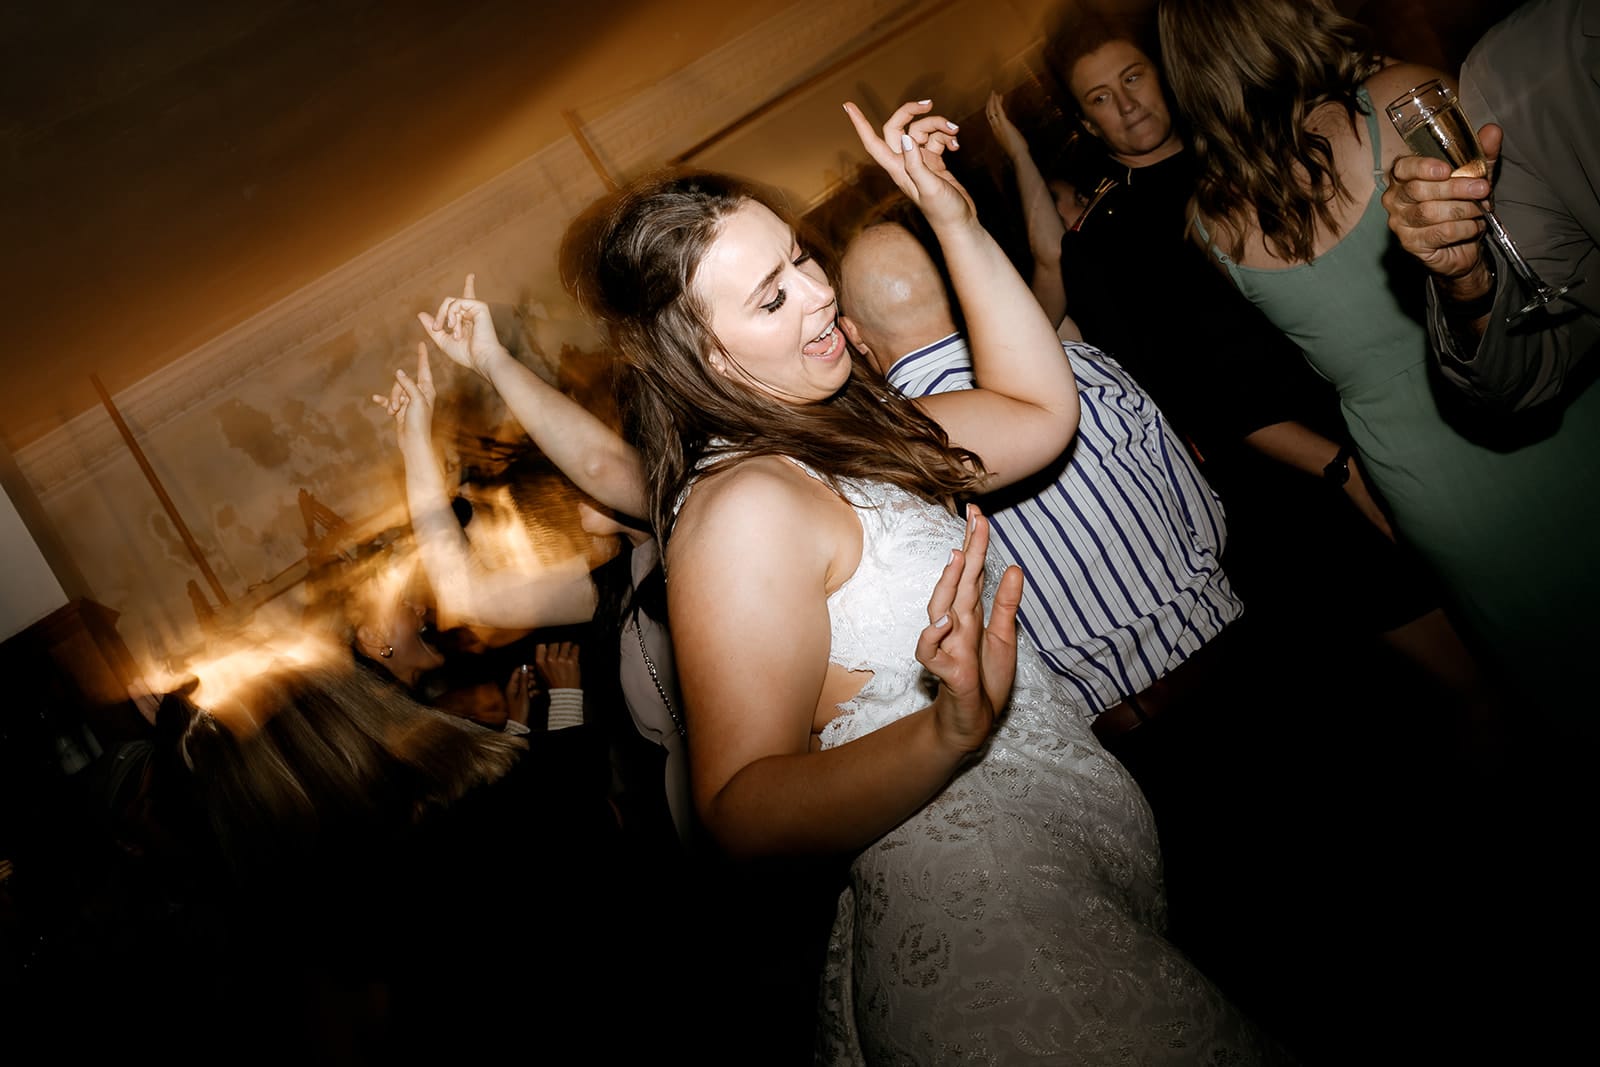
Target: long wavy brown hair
(630, 261)
(319, 757)
(1247, 74)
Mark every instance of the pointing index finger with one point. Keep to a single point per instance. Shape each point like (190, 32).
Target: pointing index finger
(424, 368)
(870, 140)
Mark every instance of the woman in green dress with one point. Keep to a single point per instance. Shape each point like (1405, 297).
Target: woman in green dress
(1284, 98)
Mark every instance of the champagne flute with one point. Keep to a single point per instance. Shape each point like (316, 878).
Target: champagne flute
(1430, 119)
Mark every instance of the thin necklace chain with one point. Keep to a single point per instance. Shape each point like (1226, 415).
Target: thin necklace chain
(655, 677)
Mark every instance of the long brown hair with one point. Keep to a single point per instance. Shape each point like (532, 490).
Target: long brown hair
(309, 758)
(1247, 74)
(630, 262)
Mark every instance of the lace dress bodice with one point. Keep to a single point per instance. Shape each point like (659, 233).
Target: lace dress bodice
(880, 611)
(1018, 916)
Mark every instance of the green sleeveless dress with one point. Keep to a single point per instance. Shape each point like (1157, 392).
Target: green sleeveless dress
(1511, 526)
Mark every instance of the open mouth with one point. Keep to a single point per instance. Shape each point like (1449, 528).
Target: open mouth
(827, 344)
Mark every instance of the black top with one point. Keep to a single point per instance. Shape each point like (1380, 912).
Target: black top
(1139, 290)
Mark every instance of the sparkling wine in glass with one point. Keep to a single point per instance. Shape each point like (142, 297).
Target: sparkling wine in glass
(1430, 119)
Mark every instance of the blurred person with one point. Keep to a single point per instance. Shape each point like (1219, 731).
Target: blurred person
(381, 608)
(366, 846)
(517, 598)
(602, 465)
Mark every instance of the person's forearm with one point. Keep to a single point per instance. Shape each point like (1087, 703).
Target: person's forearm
(1039, 214)
(836, 800)
(1305, 449)
(1049, 289)
(1294, 444)
(1015, 351)
(441, 543)
(583, 447)
(466, 593)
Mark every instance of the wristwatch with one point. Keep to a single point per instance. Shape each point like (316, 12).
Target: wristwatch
(1337, 472)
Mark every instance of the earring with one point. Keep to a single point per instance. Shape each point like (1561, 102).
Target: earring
(387, 651)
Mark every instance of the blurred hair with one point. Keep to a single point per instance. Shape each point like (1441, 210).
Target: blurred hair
(630, 262)
(306, 758)
(1246, 75)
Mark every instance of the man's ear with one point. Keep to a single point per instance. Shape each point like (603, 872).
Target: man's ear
(853, 333)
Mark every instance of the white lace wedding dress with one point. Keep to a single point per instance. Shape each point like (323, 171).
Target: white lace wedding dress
(1018, 917)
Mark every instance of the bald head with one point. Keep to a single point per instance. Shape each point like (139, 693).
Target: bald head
(890, 288)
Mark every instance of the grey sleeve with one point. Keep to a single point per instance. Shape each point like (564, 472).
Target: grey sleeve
(1527, 363)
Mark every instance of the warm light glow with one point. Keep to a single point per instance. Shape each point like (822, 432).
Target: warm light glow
(503, 541)
(225, 673)
(373, 594)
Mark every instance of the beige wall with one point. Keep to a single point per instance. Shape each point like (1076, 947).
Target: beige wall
(237, 427)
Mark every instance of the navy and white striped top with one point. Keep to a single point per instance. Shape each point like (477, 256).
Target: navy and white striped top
(1121, 541)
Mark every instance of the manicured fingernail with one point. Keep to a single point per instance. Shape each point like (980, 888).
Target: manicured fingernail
(906, 142)
(924, 101)
(954, 143)
(940, 621)
(952, 558)
(953, 126)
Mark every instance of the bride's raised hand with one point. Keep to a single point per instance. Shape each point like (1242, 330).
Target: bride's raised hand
(975, 663)
(911, 149)
(463, 329)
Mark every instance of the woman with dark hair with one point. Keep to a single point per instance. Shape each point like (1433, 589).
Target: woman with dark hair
(1284, 99)
(845, 692)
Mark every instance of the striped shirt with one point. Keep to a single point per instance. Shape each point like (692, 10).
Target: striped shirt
(1121, 540)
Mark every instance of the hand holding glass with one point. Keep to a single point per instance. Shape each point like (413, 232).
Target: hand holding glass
(1430, 119)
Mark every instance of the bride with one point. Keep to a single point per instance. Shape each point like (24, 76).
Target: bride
(845, 692)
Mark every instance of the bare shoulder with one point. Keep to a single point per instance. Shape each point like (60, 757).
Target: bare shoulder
(755, 493)
(762, 510)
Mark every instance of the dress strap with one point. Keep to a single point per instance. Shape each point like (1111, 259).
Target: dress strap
(1375, 135)
(1200, 228)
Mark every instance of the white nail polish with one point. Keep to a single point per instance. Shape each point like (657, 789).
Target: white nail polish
(906, 142)
(953, 126)
(924, 101)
